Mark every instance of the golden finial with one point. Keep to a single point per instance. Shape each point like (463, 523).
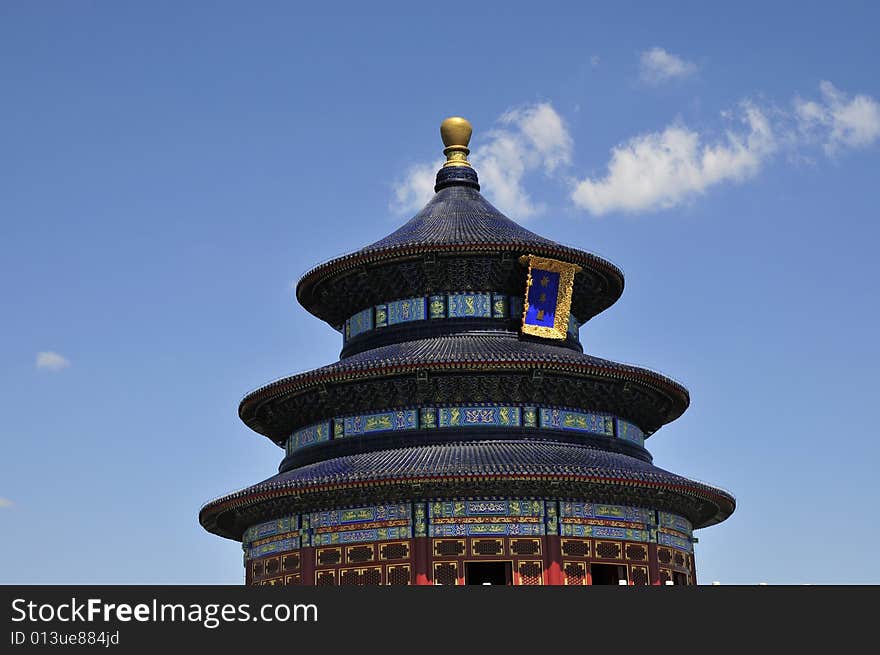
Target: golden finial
(456, 134)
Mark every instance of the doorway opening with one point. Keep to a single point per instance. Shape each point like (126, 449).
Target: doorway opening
(679, 578)
(488, 573)
(608, 574)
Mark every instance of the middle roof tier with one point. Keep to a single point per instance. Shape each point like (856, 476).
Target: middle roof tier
(490, 366)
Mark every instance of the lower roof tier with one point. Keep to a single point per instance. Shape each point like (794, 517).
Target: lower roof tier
(514, 369)
(521, 468)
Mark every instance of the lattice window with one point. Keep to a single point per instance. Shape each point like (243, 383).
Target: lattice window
(445, 573)
(638, 575)
(258, 569)
(398, 575)
(290, 562)
(608, 550)
(679, 559)
(576, 547)
(664, 555)
(329, 556)
(325, 578)
(294, 579)
(531, 573)
(394, 551)
(349, 577)
(575, 573)
(372, 576)
(358, 554)
(636, 552)
(665, 575)
(449, 547)
(273, 566)
(487, 546)
(272, 582)
(525, 546)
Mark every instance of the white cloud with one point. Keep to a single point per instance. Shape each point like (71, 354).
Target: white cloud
(594, 61)
(51, 361)
(5, 503)
(657, 170)
(415, 189)
(658, 66)
(528, 138)
(545, 134)
(660, 170)
(501, 167)
(837, 121)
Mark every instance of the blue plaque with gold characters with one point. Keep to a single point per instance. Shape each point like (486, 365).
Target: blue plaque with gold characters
(547, 303)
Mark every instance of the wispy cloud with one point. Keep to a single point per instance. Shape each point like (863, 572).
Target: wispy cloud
(662, 169)
(415, 188)
(51, 361)
(658, 66)
(5, 503)
(595, 61)
(837, 121)
(526, 139)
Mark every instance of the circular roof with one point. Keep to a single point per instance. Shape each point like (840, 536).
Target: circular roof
(493, 350)
(532, 462)
(458, 220)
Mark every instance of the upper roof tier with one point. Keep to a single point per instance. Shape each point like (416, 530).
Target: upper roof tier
(457, 242)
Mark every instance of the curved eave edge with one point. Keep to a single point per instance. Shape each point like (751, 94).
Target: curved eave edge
(328, 269)
(306, 381)
(724, 501)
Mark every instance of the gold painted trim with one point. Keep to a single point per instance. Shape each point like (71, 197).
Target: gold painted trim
(497, 540)
(436, 565)
(518, 576)
(405, 544)
(292, 553)
(438, 540)
(640, 567)
(563, 296)
(390, 567)
(325, 572)
(583, 564)
(360, 570)
(372, 548)
(580, 541)
(323, 549)
(533, 541)
(621, 553)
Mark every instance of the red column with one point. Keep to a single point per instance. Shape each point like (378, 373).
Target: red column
(307, 564)
(653, 565)
(552, 560)
(421, 560)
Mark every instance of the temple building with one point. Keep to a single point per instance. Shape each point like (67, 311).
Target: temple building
(464, 437)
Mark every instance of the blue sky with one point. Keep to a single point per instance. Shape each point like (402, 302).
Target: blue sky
(169, 171)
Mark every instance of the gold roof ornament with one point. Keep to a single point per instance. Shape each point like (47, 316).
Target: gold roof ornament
(456, 134)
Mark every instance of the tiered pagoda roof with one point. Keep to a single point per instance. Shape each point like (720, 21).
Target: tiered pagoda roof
(459, 243)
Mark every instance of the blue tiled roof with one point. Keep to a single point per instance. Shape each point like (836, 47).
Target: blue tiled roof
(458, 215)
(485, 458)
(458, 218)
(473, 349)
